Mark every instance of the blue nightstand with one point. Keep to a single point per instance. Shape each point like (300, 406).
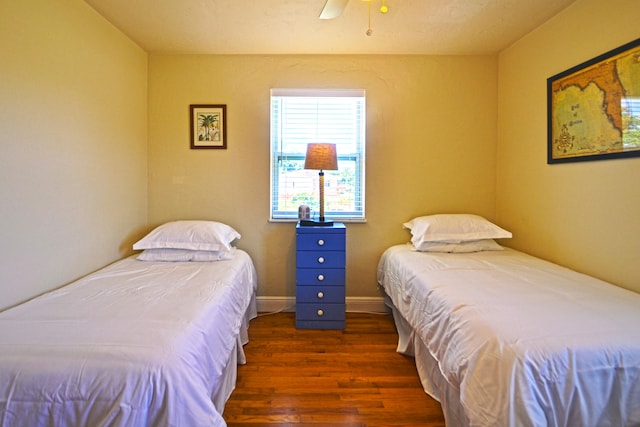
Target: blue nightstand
(320, 277)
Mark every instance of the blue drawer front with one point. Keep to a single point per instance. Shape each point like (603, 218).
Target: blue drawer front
(316, 242)
(320, 312)
(321, 259)
(320, 294)
(320, 276)
(337, 227)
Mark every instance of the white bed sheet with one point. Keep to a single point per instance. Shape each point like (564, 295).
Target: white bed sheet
(523, 342)
(134, 344)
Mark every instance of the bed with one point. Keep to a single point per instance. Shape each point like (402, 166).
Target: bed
(502, 338)
(152, 339)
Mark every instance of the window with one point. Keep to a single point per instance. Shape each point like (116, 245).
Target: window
(302, 116)
(631, 123)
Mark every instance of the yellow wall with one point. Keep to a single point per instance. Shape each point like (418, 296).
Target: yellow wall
(73, 144)
(583, 215)
(444, 134)
(431, 135)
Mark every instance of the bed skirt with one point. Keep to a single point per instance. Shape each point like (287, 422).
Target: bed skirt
(237, 357)
(432, 380)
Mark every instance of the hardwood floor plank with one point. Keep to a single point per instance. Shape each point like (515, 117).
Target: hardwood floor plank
(328, 377)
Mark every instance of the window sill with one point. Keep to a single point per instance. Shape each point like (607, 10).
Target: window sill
(344, 221)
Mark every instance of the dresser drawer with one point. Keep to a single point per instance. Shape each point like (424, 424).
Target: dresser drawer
(320, 276)
(320, 294)
(324, 241)
(320, 259)
(320, 312)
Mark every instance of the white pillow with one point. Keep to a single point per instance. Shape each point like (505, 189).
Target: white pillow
(461, 248)
(184, 255)
(453, 228)
(193, 235)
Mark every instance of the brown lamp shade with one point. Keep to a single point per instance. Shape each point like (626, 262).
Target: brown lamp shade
(321, 156)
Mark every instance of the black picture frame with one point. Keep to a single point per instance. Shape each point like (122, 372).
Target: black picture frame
(593, 109)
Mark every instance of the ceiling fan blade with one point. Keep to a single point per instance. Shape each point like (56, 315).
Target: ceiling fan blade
(333, 9)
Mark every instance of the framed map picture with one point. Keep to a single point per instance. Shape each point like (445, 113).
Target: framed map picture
(208, 126)
(594, 108)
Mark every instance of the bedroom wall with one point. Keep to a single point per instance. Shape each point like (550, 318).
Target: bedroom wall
(582, 215)
(73, 145)
(431, 135)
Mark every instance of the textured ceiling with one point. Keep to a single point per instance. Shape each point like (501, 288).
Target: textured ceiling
(292, 26)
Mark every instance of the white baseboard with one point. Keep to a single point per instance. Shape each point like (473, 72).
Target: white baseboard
(354, 304)
(275, 304)
(366, 305)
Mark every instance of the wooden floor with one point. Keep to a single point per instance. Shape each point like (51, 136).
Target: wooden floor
(328, 378)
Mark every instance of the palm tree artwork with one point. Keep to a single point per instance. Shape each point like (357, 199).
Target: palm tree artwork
(209, 127)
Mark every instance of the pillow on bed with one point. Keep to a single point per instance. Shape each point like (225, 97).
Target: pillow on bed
(453, 228)
(461, 248)
(184, 255)
(193, 235)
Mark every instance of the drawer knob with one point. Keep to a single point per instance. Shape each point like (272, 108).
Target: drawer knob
(320, 277)
(321, 260)
(320, 242)
(320, 295)
(320, 313)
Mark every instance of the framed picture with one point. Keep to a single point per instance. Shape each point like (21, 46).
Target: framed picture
(593, 109)
(208, 126)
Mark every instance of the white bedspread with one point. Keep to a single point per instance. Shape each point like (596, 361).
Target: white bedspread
(524, 342)
(134, 344)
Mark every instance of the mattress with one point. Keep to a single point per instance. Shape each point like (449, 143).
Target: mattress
(517, 340)
(134, 344)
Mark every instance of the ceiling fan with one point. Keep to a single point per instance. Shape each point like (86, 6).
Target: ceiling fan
(334, 8)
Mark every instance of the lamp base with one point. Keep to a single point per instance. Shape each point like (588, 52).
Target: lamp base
(311, 223)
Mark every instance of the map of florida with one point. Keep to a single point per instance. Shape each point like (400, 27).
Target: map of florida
(605, 76)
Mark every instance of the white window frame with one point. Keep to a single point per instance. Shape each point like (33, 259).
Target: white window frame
(345, 128)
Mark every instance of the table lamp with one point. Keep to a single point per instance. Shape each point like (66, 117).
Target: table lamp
(320, 156)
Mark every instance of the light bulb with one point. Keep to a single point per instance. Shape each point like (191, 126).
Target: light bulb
(384, 9)
(369, 31)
